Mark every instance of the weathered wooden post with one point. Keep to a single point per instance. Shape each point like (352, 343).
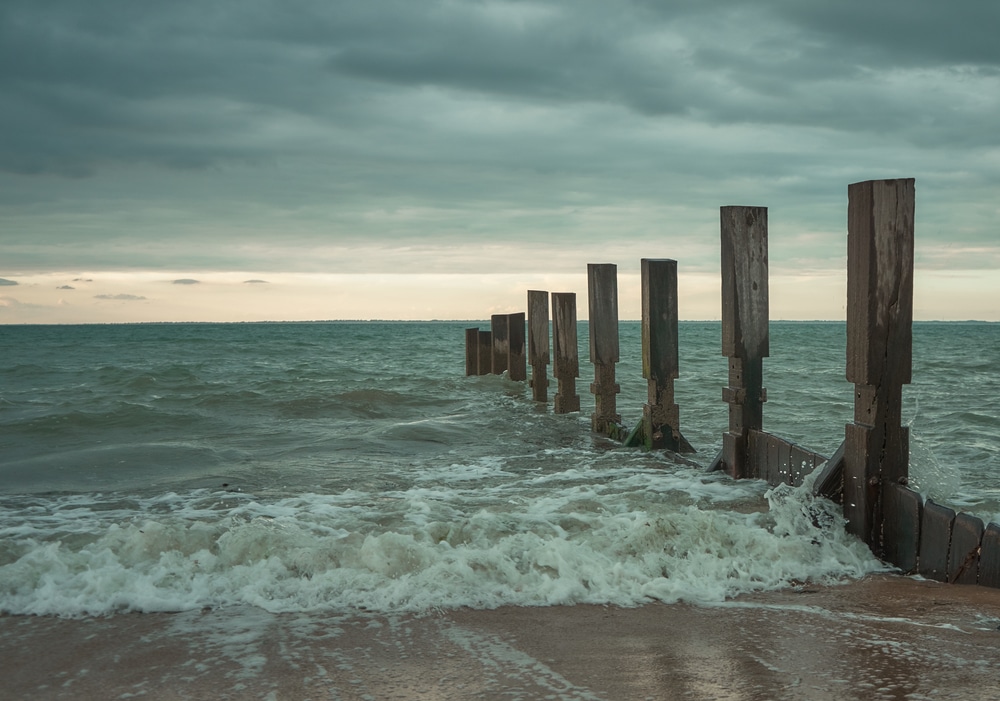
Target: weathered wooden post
(501, 343)
(471, 352)
(602, 295)
(744, 329)
(879, 348)
(566, 361)
(538, 343)
(485, 364)
(661, 415)
(517, 366)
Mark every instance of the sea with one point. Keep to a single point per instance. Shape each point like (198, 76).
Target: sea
(353, 467)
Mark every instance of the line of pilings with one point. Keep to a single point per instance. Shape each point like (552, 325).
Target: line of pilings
(868, 474)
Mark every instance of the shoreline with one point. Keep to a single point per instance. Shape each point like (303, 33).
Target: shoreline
(883, 637)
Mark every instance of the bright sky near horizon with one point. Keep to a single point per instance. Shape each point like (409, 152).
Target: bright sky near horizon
(402, 159)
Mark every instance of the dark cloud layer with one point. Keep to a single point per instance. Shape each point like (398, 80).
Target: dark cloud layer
(197, 135)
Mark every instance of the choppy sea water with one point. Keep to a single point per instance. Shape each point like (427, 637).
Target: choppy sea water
(352, 466)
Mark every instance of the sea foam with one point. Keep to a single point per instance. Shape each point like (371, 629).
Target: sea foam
(587, 537)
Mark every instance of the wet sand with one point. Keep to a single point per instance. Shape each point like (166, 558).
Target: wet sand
(883, 638)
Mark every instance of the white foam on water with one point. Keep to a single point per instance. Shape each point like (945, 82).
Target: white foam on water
(578, 535)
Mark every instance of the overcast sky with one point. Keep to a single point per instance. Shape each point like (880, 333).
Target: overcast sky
(418, 159)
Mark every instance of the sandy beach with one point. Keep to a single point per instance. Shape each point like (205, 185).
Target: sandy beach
(882, 638)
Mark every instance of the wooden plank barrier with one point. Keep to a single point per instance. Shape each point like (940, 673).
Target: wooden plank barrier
(869, 472)
(744, 329)
(602, 296)
(566, 360)
(538, 343)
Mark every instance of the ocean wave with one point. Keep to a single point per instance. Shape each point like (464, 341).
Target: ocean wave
(425, 549)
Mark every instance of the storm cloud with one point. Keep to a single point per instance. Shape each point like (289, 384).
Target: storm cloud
(391, 135)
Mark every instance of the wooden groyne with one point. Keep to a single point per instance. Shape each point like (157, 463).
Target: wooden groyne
(868, 474)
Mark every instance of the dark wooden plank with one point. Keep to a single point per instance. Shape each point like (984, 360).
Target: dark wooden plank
(602, 296)
(989, 558)
(501, 343)
(784, 462)
(772, 474)
(472, 351)
(757, 454)
(935, 539)
(830, 482)
(485, 366)
(517, 359)
(963, 557)
(903, 509)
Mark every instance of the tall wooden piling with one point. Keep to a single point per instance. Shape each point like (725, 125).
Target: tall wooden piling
(879, 347)
(602, 295)
(501, 343)
(566, 360)
(471, 352)
(538, 343)
(517, 365)
(745, 337)
(660, 366)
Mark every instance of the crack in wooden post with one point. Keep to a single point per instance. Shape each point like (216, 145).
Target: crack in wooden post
(745, 337)
(879, 348)
(602, 295)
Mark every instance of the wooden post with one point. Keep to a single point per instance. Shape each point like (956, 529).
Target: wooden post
(471, 352)
(602, 294)
(501, 343)
(879, 345)
(744, 329)
(661, 415)
(566, 361)
(516, 359)
(538, 343)
(485, 364)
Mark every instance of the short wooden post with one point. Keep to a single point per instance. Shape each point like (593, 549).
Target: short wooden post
(566, 361)
(485, 364)
(471, 352)
(517, 365)
(501, 343)
(602, 295)
(538, 343)
(661, 415)
(744, 330)
(879, 347)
